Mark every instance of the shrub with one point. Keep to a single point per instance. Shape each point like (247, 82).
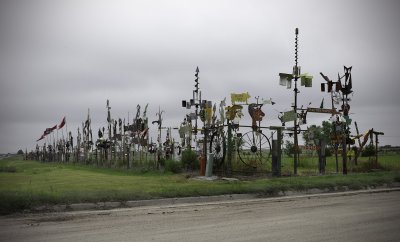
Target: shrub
(161, 162)
(328, 152)
(190, 160)
(10, 169)
(173, 166)
(289, 148)
(368, 151)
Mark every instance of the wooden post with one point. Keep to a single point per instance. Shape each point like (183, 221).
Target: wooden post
(376, 146)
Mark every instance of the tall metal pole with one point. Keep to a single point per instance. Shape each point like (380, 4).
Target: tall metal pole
(334, 130)
(109, 131)
(344, 145)
(197, 99)
(229, 149)
(296, 142)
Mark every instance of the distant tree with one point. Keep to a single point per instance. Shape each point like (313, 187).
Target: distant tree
(289, 148)
(327, 129)
(20, 152)
(315, 132)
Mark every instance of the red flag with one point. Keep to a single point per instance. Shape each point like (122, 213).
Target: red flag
(49, 130)
(62, 123)
(40, 138)
(53, 128)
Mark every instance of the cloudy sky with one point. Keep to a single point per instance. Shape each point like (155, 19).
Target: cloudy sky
(59, 58)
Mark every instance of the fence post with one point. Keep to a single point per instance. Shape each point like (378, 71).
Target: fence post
(277, 152)
(210, 163)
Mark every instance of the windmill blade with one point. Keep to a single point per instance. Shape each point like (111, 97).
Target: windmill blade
(325, 77)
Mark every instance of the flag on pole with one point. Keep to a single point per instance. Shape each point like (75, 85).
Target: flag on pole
(53, 128)
(62, 123)
(40, 138)
(306, 80)
(49, 130)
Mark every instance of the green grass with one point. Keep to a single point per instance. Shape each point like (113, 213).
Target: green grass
(26, 184)
(308, 165)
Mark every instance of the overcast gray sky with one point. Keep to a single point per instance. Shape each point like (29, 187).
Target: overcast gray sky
(59, 58)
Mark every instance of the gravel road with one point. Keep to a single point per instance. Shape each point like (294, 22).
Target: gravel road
(355, 217)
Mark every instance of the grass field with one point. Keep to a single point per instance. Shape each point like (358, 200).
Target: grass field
(26, 184)
(308, 164)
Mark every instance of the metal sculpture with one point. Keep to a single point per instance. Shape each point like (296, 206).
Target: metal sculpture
(159, 122)
(234, 113)
(185, 132)
(256, 114)
(286, 79)
(240, 97)
(254, 146)
(254, 149)
(218, 140)
(341, 131)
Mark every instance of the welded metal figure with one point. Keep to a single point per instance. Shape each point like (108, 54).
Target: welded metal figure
(234, 112)
(185, 133)
(348, 85)
(159, 122)
(145, 111)
(256, 114)
(137, 112)
(222, 105)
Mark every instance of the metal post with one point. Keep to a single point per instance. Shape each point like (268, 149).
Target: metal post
(376, 146)
(344, 146)
(334, 132)
(229, 150)
(376, 150)
(205, 130)
(296, 142)
(210, 163)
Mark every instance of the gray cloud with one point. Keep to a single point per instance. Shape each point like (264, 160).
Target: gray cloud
(59, 59)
